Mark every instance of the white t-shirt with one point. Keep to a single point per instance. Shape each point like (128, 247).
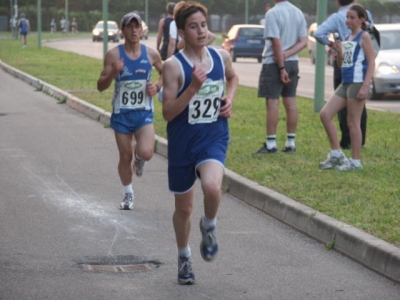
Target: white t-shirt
(173, 31)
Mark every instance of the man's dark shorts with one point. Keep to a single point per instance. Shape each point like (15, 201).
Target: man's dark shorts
(270, 86)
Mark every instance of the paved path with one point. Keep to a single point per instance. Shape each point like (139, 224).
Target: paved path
(59, 210)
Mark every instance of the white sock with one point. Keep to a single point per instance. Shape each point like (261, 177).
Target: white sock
(290, 140)
(209, 223)
(128, 189)
(356, 162)
(184, 252)
(336, 153)
(271, 141)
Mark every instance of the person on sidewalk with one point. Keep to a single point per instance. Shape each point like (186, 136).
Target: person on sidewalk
(197, 109)
(24, 29)
(356, 56)
(336, 23)
(285, 32)
(130, 66)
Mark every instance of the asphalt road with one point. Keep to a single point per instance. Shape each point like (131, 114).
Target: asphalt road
(248, 69)
(59, 201)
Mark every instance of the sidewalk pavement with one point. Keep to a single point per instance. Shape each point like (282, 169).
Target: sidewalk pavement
(373, 253)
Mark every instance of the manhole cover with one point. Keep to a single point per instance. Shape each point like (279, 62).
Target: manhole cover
(120, 268)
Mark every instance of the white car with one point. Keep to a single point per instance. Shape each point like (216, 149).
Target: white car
(113, 33)
(312, 46)
(386, 78)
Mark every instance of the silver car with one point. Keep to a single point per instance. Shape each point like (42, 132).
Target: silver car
(386, 78)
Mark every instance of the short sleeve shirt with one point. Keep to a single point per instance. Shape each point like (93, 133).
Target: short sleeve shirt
(287, 23)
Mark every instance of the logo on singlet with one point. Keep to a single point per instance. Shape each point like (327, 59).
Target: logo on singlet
(125, 72)
(144, 61)
(140, 71)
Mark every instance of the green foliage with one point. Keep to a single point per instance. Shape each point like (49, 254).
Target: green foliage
(368, 199)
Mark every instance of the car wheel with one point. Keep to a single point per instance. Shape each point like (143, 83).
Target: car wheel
(93, 40)
(374, 94)
(259, 59)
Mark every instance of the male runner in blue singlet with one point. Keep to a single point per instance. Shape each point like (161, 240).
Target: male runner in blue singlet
(130, 65)
(24, 28)
(197, 110)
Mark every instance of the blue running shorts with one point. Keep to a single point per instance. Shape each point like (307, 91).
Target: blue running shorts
(132, 121)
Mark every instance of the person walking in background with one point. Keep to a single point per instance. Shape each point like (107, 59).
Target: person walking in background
(336, 23)
(286, 34)
(24, 29)
(63, 25)
(197, 110)
(163, 35)
(13, 26)
(356, 57)
(74, 25)
(52, 26)
(130, 66)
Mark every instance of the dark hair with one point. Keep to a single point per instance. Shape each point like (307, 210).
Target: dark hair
(183, 10)
(345, 2)
(361, 13)
(170, 8)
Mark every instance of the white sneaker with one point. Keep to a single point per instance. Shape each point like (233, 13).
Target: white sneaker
(333, 161)
(349, 165)
(138, 166)
(127, 203)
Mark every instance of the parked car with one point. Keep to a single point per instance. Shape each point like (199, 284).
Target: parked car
(245, 40)
(386, 78)
(113, 31)
(312, 46)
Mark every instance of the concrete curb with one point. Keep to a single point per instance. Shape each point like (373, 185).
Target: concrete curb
(374, 253)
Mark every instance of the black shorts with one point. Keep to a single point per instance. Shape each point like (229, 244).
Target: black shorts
(270, 86)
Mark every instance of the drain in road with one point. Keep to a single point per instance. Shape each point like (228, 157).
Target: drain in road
(119, 264)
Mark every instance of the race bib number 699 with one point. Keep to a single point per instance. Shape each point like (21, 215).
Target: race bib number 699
(205, 105)
(133, 94)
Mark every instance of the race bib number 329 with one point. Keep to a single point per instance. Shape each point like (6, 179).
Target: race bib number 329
(204, 106)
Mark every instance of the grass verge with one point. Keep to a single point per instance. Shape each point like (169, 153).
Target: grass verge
(367, 199)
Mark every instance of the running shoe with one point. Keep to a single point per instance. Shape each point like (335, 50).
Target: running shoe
(139, 165)
(289, 149)
(264, 149)
(348, 166)
(333, 161)
(127, 203)
(185, 272)
(209, 243)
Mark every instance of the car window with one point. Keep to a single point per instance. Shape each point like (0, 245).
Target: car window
(251, 31)
(390, 40)
(111, 26)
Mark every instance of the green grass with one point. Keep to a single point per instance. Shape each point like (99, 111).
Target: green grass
(367, 199)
